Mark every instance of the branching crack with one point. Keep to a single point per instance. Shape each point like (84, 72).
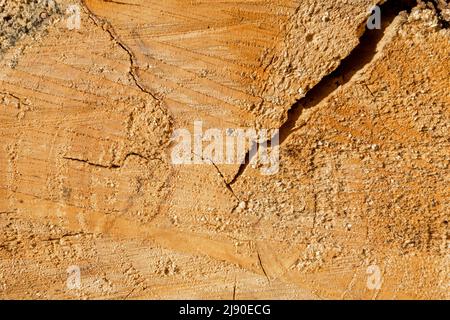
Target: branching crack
(112, 165)
(227, 185)
(360, 56)
(106, 26)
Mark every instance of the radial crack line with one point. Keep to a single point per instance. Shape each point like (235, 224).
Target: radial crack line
(227, 185)
(362, 55)
(114, 37)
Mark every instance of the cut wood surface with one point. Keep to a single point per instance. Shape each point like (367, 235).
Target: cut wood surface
(87, 117)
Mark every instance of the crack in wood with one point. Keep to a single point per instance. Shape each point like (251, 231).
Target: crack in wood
(115, 38)
(360, 56)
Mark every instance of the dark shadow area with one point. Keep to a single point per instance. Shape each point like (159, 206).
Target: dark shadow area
(363, 53)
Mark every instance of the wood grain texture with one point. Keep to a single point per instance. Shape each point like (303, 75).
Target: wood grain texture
(86, 178)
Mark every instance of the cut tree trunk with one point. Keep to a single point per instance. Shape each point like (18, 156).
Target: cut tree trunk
(357, 210)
